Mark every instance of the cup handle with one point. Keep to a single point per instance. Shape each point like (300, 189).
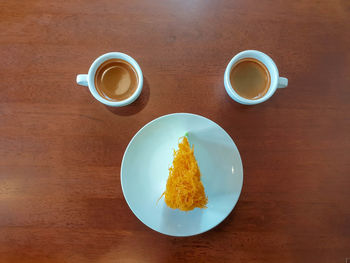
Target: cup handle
(82, 79)
(282, 82)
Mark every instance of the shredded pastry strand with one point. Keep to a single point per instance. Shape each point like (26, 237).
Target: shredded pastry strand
(184, 189)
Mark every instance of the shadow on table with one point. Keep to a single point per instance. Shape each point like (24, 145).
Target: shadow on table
(138, 105)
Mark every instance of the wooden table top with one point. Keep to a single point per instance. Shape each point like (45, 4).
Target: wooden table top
(61, 150)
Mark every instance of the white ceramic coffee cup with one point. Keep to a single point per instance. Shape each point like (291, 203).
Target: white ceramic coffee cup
(276, 80)
(89, 79)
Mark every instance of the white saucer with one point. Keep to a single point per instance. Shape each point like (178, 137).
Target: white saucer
(144, 173)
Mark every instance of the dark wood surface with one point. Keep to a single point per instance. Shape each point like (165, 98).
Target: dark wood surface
(61, 150)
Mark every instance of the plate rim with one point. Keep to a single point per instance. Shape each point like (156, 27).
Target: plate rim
(122, 165)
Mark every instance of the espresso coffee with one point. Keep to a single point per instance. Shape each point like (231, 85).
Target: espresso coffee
(250, 78)
(116, 80)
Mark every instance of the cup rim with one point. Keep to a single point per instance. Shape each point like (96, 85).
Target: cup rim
(263, 58)
(91, 78)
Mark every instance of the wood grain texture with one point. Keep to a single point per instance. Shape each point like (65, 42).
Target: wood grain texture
(60, 150)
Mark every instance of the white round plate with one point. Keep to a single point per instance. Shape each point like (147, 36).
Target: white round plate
(144, 173)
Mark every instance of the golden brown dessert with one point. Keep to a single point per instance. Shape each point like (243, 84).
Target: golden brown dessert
(184, 189)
